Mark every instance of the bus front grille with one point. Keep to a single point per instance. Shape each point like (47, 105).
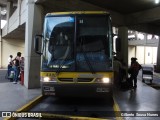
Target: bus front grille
(65, 79)
(84, 79)
(76, 80)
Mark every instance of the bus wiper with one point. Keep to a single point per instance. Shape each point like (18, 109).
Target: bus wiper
(86, 58)
(62, 64)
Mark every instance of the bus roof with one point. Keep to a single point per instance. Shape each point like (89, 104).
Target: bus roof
(77, 12)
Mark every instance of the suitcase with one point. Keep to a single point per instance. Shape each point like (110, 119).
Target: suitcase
(126, 85)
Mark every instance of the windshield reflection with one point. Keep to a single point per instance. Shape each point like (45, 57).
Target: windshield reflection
(90, 51)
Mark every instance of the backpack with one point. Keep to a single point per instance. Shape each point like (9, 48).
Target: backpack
(140, 67)
(136, 66)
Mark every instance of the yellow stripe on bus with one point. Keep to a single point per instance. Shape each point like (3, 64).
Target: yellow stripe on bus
(77, 74)
(78, 12)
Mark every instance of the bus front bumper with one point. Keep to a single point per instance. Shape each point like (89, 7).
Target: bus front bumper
(77, 90)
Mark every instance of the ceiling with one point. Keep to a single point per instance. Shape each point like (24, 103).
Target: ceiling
(3, 3)
(125, 6)
(120, 6)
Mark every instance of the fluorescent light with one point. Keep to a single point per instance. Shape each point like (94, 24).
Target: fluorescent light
(131, 36)
(156, 1)
(140, 36)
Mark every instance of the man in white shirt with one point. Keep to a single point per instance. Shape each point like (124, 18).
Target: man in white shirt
(10, 59)
(10, 63)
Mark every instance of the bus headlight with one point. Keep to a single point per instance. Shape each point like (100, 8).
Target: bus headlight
(105, 80)
(46, 79)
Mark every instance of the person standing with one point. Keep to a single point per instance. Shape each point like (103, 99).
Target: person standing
(10, 63)
(134, 70)
(10, 58)
(22, 70)
(17, 67)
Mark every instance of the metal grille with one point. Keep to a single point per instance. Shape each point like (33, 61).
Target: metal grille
(84, 79)
(75, 79)
(65, 79)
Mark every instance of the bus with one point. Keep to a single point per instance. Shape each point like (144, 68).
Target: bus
(76, 54)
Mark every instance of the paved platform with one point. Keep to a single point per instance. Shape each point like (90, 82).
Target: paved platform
(144, 98)
(14, 96)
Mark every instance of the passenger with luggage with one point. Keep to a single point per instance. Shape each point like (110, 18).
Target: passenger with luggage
(133, 71)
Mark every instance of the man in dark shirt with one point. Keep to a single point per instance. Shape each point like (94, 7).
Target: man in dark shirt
(17, 67)
(134, 70)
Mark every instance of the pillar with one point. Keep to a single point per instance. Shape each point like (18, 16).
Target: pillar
(19, 10)
(32, 60)
(145, 44)
(9, 13)
(123, 35)
(0, 42)
(157, 67)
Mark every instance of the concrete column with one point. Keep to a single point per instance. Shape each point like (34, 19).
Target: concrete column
(32, 60)
(145, 43)
(19, 10)
(8, 14)
(136, 35)
(0, 42)
(145, 37)
(158, 58)
(123, 35)
(11, 10)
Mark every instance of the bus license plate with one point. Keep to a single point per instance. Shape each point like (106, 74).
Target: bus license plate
(102, 90)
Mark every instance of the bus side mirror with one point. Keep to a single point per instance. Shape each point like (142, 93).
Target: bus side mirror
(37, 45)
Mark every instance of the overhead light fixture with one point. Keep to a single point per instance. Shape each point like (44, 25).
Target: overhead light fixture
(156, 1)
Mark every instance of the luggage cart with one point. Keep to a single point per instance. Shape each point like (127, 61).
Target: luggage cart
(147, 74)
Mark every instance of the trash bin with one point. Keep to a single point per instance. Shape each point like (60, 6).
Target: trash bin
(22, 77)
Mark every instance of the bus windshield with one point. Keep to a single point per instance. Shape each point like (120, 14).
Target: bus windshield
(77, 43)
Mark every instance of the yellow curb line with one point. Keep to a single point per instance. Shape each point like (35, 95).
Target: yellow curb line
(29, 105)
(26, 107)
(48, 115)
(117, 110)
